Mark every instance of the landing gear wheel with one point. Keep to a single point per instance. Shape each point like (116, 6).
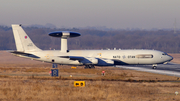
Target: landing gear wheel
(154, 67)
(86, 67)
(89, 67)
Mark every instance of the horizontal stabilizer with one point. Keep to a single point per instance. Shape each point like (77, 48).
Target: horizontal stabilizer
(24, 54)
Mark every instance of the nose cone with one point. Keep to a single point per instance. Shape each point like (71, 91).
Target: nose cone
(170, 58)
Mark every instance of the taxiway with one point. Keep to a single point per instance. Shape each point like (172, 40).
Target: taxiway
(166, 69)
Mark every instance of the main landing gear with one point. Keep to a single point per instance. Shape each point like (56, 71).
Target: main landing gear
(89, 67)
(154, 66)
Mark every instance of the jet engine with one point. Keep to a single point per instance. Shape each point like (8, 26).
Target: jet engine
(89, 61)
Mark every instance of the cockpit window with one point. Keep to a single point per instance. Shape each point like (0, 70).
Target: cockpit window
(144, 56)
(164, 54)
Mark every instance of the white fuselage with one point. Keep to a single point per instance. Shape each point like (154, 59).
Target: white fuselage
(119, 57)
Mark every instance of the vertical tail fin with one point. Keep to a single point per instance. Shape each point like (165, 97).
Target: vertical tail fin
(22, 40)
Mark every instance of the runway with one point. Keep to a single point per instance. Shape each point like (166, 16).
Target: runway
(166, 69)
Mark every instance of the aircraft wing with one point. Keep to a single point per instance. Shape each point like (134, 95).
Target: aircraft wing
(90, 60)
(84, 60)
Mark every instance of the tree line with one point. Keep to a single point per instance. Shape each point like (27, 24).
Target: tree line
(164, 40)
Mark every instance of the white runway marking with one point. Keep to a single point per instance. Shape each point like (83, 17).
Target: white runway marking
(171, 72)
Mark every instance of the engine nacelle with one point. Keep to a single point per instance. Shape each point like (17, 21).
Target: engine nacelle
(108, 61)
(88, 61)
(105, 62)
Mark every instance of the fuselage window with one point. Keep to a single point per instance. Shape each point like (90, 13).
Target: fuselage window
(144, 56)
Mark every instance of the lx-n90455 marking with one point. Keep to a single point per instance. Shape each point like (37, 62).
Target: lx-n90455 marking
(90, 58)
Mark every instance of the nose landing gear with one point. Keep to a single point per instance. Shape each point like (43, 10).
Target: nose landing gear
(154, 66)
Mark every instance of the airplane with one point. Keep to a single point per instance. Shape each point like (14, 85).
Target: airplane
(89, 58)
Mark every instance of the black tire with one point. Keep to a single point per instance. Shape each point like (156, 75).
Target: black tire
(92, 67)
(154, 67)
(86, 67)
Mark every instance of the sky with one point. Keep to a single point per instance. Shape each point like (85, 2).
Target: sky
(116, 14)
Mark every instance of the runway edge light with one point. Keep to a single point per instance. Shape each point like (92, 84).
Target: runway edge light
(79, 83)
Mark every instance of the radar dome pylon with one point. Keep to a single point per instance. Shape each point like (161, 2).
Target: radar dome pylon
(64, 35)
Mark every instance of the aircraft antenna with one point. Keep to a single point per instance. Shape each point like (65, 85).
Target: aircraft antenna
(64, 35)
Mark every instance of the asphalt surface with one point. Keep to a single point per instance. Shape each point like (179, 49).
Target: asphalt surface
(166, 69)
